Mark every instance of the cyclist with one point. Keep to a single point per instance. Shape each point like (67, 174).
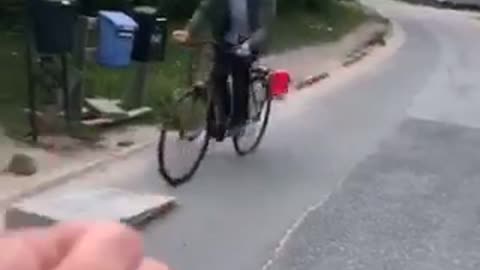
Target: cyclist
(239, 29)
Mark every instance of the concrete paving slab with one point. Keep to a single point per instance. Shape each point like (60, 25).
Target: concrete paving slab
(88, 203)
(106, 107)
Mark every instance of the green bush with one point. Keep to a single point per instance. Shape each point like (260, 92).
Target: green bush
(11, 11)
(286, 6)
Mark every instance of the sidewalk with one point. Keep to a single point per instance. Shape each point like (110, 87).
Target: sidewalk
(67, 158)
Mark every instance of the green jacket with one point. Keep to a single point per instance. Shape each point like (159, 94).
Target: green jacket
(215, 15)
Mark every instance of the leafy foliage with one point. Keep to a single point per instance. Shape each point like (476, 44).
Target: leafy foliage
(11, 11)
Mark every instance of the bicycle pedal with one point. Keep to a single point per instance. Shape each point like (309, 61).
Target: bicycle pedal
(236, 131)
(214, 134)
(192, 135)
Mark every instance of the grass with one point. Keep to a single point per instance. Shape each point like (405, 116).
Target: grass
(290, 31)
(163, 79)
(300, 29)
(13, 84)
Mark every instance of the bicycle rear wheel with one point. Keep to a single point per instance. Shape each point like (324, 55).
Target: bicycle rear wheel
(183, 139)
(260, 104)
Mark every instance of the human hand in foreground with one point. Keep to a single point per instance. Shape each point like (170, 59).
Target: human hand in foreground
(75, 246)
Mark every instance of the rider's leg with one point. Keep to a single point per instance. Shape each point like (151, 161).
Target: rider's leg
(220, 73)
(241, 83)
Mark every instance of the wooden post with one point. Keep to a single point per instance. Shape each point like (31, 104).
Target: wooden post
(31, 84)
(31, 79)
(134, 97)
(66, 91)
(79, 62)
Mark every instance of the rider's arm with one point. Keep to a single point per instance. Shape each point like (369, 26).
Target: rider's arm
(268, 13)
(200, 17)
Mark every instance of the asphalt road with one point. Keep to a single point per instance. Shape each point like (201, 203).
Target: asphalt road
(386, 163)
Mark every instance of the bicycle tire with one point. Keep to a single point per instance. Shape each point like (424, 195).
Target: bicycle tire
(256, 143)
(183, 178)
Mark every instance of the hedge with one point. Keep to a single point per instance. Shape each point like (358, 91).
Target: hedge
(11, 11)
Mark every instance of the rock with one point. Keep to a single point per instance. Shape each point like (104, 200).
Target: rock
(22, 164)
(125, 143)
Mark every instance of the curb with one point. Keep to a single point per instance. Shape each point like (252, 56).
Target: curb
(66, 177)
(355, 57)
(311, 80)
(358, 54)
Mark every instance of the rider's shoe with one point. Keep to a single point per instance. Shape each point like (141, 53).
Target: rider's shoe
(220, 132)
(192, 135)
(237, 130)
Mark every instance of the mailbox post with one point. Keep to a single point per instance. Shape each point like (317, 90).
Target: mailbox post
(49, 34)
(149, 46)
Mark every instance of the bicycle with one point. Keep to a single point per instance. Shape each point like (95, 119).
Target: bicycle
(200, 103)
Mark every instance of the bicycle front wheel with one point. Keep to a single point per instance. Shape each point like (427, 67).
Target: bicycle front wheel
(183, 140)
(260, 104)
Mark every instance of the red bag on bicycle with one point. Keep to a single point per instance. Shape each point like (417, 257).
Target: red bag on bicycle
(279, 83)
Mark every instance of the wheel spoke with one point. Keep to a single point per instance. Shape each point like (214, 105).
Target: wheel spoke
(259, 112)
(181, 153)
(182, 147)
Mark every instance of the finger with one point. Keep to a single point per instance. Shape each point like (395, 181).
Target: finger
(38, 249)
(150, 264)
(105, 247)
(60, 239)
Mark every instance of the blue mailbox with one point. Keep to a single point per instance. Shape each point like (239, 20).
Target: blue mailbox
(117, 32)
